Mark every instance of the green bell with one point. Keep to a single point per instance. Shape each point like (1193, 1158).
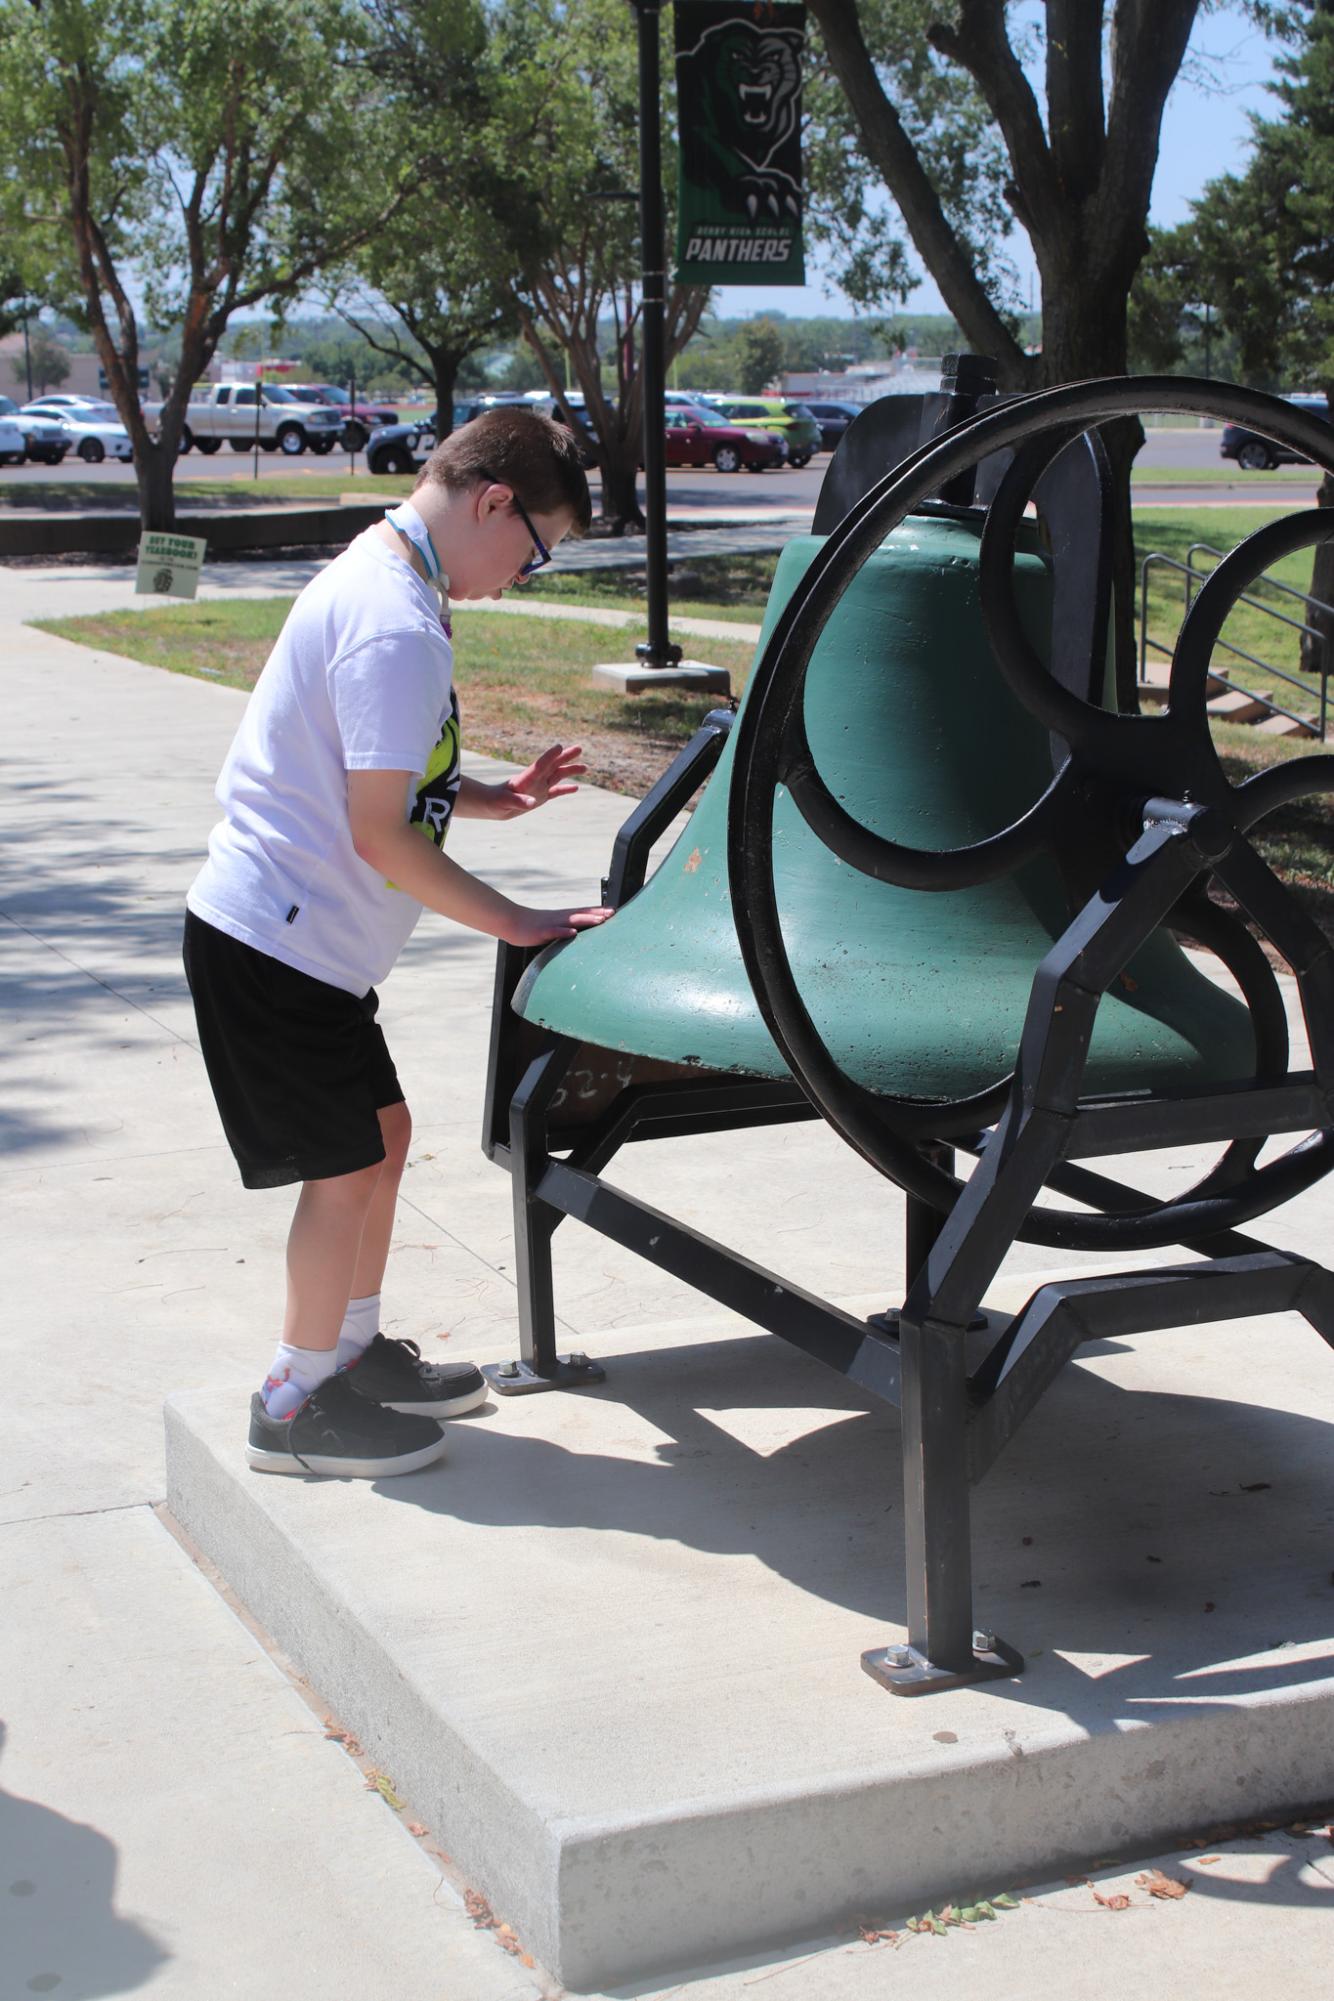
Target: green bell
(915, 994)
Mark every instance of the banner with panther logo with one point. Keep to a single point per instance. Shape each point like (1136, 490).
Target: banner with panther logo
(738, 93)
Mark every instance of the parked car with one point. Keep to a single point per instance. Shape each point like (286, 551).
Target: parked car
(792, 421)
(402, 447)
(226, 412)
(47, 440)
(1254, 453)
(59, 400)
(833, 419)
(500, 399)
(13, 444)
(700, 437)
(359, 418)
(93, 429)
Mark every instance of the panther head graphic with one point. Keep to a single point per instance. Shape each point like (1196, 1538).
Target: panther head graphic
(760, 71)
(741, 78)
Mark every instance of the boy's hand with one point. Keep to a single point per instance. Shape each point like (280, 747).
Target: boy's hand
(551, 776)
(543, 927)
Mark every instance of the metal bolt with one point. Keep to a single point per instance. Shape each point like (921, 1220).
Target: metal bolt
(578, 1361)
(508, 1369)
(984, 1642)
(899, 1657)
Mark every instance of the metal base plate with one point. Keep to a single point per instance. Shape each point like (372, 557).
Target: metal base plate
(521, 1379)
(906, 1671)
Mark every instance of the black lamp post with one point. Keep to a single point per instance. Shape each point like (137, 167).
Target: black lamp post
(657, 650)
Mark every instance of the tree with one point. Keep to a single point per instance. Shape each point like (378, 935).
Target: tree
(1071, 161)
(545, 189)
(1260, 246)
(570, 144)
(193, 151)
(760, 348)
(443, 305)
(46, 360)
(16, 302)
(433, 287)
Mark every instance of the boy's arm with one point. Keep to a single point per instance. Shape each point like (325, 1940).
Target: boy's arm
(386, 842)
(551, 776)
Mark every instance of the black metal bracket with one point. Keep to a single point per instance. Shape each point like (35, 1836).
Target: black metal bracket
(563, 1372)
(905, 1670)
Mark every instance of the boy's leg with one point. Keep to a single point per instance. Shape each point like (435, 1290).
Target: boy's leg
(323, 1248)
(392, 1373)
(378, 1228)
(322, 1245)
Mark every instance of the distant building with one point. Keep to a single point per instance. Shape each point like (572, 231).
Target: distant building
(867, 381)
(82, 379)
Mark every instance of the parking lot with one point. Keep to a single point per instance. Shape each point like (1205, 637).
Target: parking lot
(1178, 451)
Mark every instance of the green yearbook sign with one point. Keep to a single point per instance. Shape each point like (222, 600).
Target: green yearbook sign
(738, 93)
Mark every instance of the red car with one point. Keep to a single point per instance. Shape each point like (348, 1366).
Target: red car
(700, 437)
(362, 418)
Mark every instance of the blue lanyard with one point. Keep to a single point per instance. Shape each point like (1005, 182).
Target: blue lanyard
(408, 522)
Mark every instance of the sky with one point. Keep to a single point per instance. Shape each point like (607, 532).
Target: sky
(1205, 132)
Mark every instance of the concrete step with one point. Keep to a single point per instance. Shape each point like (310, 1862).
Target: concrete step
(1239, 707)
(1285, 726)
(610, 1647)
(1153, 690)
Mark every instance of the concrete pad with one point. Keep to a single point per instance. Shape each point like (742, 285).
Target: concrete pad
(637, 680)
(149, 1742)
(612, 1643)
(1252, 1918)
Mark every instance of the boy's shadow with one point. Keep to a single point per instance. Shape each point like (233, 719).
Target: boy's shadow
(1181, 1533)
(59, 1932)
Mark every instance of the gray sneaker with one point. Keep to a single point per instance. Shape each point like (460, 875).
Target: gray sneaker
(341, 1434)
(393, 1374)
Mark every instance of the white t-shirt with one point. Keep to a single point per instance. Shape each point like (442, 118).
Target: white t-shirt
(361, 679)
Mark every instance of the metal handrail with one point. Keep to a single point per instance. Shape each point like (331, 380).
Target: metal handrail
(1289, 590)
(1193, 577)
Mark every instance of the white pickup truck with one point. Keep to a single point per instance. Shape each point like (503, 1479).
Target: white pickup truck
(228, 412)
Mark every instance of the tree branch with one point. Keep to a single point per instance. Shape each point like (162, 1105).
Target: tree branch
(892, 151)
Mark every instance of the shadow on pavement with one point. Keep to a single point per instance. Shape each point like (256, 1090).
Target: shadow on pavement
(59, 1931)
(1137, 1547)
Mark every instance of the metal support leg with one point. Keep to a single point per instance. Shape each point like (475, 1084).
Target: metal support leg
(921, 1226)
(943, 1650)
(538, 1366)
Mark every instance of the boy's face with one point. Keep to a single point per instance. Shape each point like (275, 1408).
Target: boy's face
(502, 543)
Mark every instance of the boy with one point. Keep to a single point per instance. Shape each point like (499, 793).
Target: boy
(337, 795)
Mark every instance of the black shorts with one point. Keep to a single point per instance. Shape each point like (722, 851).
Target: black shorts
(299, 1069)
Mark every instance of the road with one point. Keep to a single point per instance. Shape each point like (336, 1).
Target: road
(1180, 451)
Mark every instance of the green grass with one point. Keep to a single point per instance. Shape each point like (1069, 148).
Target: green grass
(721, 587)
(523, 682)
(1228, 473)
(1171, 532)
(267, 491)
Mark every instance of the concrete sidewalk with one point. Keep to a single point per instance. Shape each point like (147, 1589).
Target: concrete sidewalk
(173, 1818)
(68, 590)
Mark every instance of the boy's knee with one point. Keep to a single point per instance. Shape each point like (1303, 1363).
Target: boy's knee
(396, 1131)
(352, 1192)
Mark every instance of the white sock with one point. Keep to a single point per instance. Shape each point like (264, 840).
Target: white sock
(361, 1324)
(293, 1374)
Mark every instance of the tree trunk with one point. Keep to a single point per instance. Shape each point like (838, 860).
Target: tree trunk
(619, 462)
(1317, 654)
(153, 470)
(445, 373)
(1318, 646)
(1084, 336)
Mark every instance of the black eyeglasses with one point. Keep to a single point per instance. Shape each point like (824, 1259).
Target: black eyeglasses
(543, 555)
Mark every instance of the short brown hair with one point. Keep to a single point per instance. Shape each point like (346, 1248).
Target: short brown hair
(520, 448)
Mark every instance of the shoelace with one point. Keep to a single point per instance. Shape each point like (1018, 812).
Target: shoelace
(428, 1371)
